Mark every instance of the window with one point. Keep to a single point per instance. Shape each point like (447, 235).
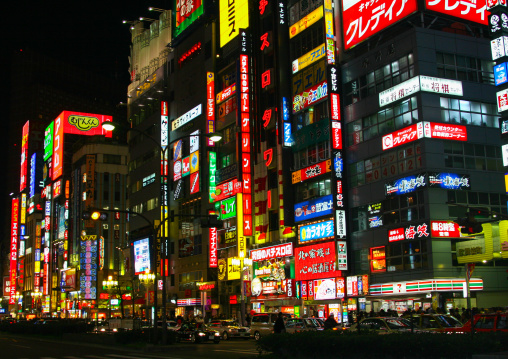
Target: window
(475, 157)
(464, 68)
(385, 121)
(380, 79)
(469, 112)
(112, 159)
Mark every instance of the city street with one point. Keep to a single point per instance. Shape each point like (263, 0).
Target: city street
(35, 348)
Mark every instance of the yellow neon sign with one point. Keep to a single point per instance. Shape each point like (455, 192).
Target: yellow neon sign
(306, 22)
(234, 15)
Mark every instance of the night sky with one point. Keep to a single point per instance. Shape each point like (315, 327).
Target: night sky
(89, 34)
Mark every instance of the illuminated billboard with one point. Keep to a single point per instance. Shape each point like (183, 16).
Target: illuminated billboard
(141, 255)
(234, 15)
(316, 261)
(316, 231)
(419, 130)
(24, 158)
(313, 208)
(475, 11)
(361, 21)
(187, 11)
(305, 22)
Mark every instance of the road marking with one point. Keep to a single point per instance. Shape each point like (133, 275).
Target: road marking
(238, 351)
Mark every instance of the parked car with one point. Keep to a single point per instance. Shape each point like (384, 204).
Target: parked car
(296, 325)
(385, 325)
(171, 324)
(435, 322)
(230, 329)
(489, 322)
(262, 323)
(104, 327)
(197, 333)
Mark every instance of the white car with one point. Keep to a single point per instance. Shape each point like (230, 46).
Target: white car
(230, 329)
(171, 324)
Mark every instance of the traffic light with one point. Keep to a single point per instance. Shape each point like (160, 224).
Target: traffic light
(212, 221)
(95, 215)
(469, 225)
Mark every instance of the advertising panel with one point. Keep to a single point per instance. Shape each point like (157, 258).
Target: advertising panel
(313, 208)
(420, 83)
(48, 141)
(58, 147)
(311, 171)
(324, 289)
(88, 124)
(316, 231)
(187, 11)
(226, 208)
(361, 21)
(403, 136)
(187, 117)
(378, 259)
(310, 96)
(233, 269)
(406, 184)
(340, 219)
(234, 15)
(475, 11)
(316, 262)
(226, 93)
(502, 100)
(24, 157)
(227, 189)
(408, 232)
(88, 265)
(309, 58)
(305, 22)
(14, 248)
(278, 251)
(500, 74)
(444, 229)
(449, 181)
(444, 131)
(210, 105)
(342, 255)
(141, 255)
(499, 47)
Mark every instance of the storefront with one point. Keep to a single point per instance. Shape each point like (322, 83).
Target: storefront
(422, 294)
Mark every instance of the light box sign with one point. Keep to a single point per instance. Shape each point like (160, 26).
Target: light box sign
(449, 181)
(502, 100)
(267, 253)
(500, 74)
(410, 232)
(499, 47)
(361, 21)
(316, 262)
(187, 11)
(307, 21)
(378, 259)
(226, 208)
(444, 229)
(309, 58)
(313, 208)
(324, 289)
(24, 157)
(234, 15)
(311, 171)
(89, 124)
(141, 255)
(48, 141)
(187, 117)
(420, 83)
(316, 231)
(227, 189)
(406, 185)
(424, 129)
(342, 255)
(310, 96)
(475, 11)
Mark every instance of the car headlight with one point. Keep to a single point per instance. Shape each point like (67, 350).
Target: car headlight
(217, 334)
(201, 334)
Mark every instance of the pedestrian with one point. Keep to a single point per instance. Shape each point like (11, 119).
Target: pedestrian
(247, 319)
(279, 326)
(330, 323)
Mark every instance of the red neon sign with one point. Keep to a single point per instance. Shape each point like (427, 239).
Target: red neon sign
(316, 261)
(475, 11)
(362, 19)
(14, 248)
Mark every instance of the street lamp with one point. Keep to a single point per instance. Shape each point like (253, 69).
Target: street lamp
(165, 202)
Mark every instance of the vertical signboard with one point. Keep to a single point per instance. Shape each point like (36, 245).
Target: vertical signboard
(24, 157)
(13, 248)
(210, 105)
(58, 147)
